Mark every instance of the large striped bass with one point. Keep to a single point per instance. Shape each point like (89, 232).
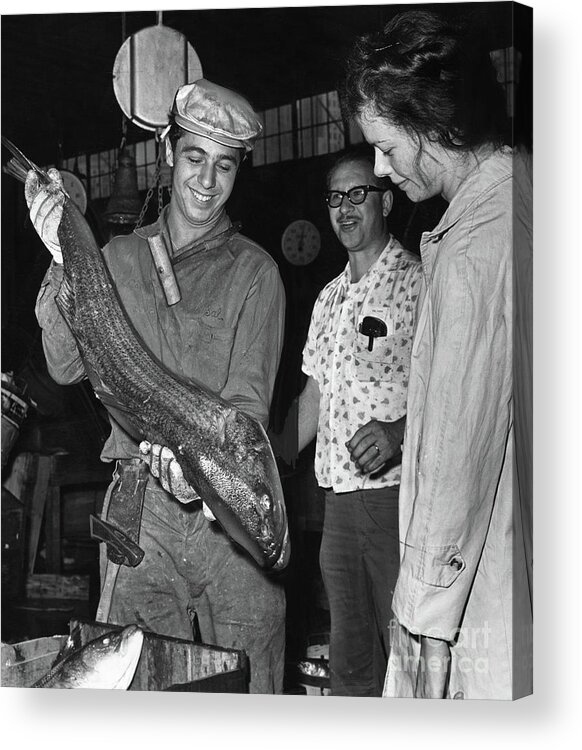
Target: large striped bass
(224, 454)
(105, 663)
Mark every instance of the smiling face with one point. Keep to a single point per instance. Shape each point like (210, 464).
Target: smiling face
(421, 172)
(202, 180)
(362, 227)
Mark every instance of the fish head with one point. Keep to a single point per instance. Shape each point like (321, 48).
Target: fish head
(269, 505)
(110, 661)
(249, 503)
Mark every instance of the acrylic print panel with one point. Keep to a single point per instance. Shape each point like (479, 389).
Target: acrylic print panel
(452, 600)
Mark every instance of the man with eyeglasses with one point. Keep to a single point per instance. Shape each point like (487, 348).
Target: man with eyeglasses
(356, 359)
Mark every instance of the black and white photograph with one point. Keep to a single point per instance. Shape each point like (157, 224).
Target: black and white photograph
(268, 352)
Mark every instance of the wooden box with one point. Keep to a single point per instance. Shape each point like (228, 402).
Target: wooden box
(169, 664)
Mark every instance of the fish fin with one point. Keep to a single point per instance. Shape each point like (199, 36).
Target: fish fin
(124, 417)
(223, 422)
(65, 300)
(67, 650)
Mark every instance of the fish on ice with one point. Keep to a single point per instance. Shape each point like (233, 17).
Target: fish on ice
(105, 663)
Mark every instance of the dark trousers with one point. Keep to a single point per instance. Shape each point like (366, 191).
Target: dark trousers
(191, 568)
(359, 562)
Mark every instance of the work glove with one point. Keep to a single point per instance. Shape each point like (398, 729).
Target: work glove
(164, 466)
(45, 203)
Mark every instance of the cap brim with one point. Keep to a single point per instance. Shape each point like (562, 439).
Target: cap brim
(223, 138)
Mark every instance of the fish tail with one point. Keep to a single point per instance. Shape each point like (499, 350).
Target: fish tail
(20, 165)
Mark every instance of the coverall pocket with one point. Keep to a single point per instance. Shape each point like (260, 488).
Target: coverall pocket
(209, 352)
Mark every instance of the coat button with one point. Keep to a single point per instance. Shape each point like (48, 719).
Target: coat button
(456, 563)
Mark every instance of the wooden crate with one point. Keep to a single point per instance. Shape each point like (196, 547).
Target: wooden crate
(54, 586)
(25, 663)
(165, 663)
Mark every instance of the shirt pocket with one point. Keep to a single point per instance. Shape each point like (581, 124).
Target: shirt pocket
(389, 360)
(208, 351)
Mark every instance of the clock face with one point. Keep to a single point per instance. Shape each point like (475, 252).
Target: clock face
(75, 189)
(301, 242)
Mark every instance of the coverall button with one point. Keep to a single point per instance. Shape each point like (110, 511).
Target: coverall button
(456, 563)
(459, 696)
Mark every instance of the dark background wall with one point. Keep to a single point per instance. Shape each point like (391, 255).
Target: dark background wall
(58, 100)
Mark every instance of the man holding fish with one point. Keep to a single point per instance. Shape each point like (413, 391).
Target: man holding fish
(224, 330)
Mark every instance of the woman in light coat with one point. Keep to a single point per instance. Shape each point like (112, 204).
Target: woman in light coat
(426, 97)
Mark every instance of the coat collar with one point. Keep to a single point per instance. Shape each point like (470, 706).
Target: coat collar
(485, 177)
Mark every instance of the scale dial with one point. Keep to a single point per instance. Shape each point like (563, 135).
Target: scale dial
(75, 189)
(301, 242)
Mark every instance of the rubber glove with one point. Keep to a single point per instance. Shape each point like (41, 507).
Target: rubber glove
(45, 203)
(164, 466)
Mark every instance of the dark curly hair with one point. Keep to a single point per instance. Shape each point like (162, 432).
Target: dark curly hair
(175, 132)
(429, 76)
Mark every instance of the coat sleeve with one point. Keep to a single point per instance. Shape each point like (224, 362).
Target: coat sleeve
(257, 346)
(60, 347)
(465, 422)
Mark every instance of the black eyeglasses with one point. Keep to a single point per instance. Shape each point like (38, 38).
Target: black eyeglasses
(356, 195)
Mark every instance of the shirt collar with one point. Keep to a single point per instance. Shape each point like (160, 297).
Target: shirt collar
(160, 226)
(389, 259)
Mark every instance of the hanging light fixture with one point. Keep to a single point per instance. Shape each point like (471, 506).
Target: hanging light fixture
(124, 206)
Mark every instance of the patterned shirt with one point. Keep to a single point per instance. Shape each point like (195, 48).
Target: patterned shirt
(356, 384)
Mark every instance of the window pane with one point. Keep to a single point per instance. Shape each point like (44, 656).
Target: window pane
(139, 154)
(333, 105)
(336, 137)
(105, 186)
(151, 151)
(321, 140)
(285, 118)
(305, 144)
(272, 149)
(103, 163)
(321, 111)
(272, 122)
(259, 153)
(305, 113)
(286, 146)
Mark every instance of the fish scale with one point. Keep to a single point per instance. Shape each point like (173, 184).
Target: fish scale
(224, 454)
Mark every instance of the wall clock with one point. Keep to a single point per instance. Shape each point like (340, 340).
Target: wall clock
(301, 242)
(75, 189)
